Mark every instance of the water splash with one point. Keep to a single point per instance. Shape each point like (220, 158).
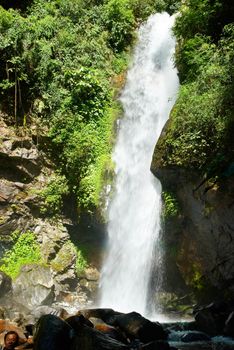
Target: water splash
(134, 212)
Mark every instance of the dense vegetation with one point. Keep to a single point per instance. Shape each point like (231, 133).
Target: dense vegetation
(60, 65)
(25, 250)
(200, 132)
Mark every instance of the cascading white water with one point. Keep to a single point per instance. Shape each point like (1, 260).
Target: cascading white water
(134, 212)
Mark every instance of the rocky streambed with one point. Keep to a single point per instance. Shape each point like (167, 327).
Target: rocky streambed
(53, 327)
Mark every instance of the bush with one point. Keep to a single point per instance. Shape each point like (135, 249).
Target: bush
(81, 261)
(201, 124)
(25, 250)
(52, 195)
(119, 21)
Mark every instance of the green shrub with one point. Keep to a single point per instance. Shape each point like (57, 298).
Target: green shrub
(119, 21)
(201, 124)
(170, 208)
(81, 261)
(143, 9)
(52, 195)
(25, 250)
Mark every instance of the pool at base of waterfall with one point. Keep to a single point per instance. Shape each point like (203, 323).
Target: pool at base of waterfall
(216, 343)
(184, 336)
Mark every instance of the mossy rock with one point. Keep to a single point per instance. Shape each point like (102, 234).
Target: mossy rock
(65, 258)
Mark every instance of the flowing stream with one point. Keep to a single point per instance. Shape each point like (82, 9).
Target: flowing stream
(134, 210)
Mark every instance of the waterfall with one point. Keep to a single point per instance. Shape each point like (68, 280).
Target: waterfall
(134, 211)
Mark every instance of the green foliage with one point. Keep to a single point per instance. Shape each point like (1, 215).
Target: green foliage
(171, 207)
(205, 17)
(193, 54)
(119, 21)
(25, 250)
(199, 24)
(143, 9)
(60, 64)
(202, 120)
(81, 261)
(52, 195)
(195, 17)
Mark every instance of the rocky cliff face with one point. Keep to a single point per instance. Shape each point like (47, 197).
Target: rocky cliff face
(199, 239)
(25, 170)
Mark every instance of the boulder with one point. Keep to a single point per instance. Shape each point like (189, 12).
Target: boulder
(41, 310)
(52, 333)
(156, 345)
(89, 339)
(76, 322)
(111, 332)
(106, 315)
(211, 318)
(229, 325)
(133, 325)
(136, 326)
(34, 286)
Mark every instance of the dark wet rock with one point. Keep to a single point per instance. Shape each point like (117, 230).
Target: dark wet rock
(89, 339)
(136, 326)
(26, 345)
(52, 333)
(76, 322)
(106, 315)
(195, 336)
(29, 328)
(229, 325)
(206, 322)
(111, 332)
(211, 318)
(156, 345)
(132, 324)
(97, 321)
